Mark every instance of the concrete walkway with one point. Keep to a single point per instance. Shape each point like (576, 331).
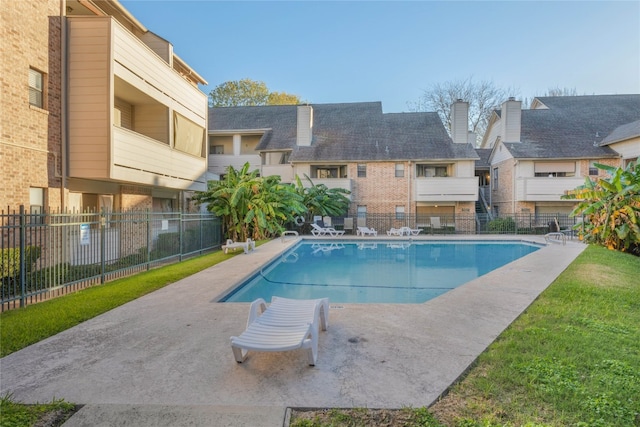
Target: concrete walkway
(165, 359)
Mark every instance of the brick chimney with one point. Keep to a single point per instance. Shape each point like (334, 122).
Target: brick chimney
(305, 126)
(459, 117)
(511, 120)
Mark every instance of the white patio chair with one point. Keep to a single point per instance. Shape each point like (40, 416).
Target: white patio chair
(286, 324)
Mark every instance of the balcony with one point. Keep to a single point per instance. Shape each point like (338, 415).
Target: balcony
(543, 189)
(446, 189)
(140, 159)
(284, 171)
(126, 103)
(218, 163)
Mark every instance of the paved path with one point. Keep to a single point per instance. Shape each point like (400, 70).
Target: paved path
(165, 359)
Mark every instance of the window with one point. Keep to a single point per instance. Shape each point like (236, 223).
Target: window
(399, 170)
(399, 212)
(593, 170)
(494, 179)
(36, 204)
(362, 170)
(362, 211)
(428, 171)
(551, 174)
(36, 88)
(217, 149)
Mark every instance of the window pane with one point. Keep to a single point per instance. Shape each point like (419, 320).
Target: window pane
(399, 170)
(35, 88)
(362, 170)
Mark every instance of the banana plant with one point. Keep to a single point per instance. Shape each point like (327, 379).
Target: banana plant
(611, 208)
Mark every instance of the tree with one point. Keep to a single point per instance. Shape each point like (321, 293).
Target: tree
(322, 200)
(611, 207)
(251, 206)
(247, 92)
(483, 97)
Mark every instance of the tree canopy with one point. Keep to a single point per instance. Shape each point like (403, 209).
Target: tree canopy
(483, 97)
(247, 92)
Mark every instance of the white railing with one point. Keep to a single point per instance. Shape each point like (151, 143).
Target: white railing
(284, 171)
(218, 163)
(543, 189)
(445, 189)
(138, 158)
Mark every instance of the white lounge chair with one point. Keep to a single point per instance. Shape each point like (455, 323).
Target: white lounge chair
(394, 232)
(364, 231)
(316, 230)
(410, 231)
(247, 246)
(286, 324)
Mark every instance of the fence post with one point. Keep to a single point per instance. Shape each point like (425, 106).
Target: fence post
(148, 240)
(103, 245)
(181, 234)
(22, 263)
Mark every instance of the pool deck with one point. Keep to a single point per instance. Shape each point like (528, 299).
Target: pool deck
(165, 358)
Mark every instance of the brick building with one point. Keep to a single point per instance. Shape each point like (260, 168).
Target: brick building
(402, 163)
(536, 155)
(83, 125)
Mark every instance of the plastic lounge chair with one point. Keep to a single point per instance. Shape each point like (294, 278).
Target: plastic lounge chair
(316, 230)
(286, 324)
(394, 232)
(364, 231)
(246, 246)
(409, 231)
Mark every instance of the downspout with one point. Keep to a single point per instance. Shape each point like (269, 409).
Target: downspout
(409, 191)
(513, 198)
(64, 39)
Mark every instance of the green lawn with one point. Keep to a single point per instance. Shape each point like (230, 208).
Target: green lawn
(571, 359)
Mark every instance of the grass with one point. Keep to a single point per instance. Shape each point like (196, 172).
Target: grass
(26, 326)
(571, 359)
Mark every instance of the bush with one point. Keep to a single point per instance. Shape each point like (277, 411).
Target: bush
(502, 225)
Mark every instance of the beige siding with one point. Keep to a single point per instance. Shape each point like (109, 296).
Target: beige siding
(90, 98)
(144, 63)
(145, 161)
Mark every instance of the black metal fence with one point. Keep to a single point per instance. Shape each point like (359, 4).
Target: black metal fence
(50, 254)
(459, 223)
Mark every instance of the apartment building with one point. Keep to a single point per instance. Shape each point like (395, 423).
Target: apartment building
(98, 112)
(540, 153)
(401, 162)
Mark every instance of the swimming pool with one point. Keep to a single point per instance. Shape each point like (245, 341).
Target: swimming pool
(377, 271)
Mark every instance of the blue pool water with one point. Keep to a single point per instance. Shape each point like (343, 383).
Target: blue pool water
(377, 271)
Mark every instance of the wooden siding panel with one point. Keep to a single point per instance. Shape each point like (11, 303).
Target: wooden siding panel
(89, 98)
(153, 161)
(143, 62)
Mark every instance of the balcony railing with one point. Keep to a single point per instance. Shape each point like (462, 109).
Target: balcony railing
(218, 163)
(138, 158)
(446, 189)
(543, 189)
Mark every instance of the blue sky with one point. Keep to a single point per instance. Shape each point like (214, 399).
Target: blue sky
(392, 51)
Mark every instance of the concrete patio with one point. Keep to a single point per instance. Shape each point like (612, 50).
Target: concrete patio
(165, 358)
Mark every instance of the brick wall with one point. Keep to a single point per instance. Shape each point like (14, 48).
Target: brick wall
(380, 191)
(30, 145)
(502, 196)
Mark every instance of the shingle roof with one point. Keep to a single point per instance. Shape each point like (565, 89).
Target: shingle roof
(346, 132)
(573, 126)
(628, 131)
(485, 154)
